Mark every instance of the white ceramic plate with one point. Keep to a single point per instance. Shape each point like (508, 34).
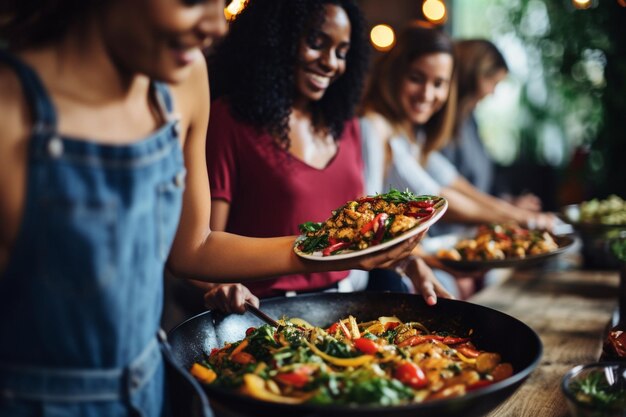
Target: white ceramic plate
(440, 208)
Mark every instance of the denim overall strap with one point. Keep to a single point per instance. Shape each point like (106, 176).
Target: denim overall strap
(82, 292)
(35, 93)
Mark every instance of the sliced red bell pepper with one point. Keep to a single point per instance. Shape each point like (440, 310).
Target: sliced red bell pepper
(333, 328)
(372, 224)
(329, 250)
(381, 218)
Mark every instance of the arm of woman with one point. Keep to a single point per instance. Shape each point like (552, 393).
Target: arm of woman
(199, 253)
(229, 298)
(501, 210)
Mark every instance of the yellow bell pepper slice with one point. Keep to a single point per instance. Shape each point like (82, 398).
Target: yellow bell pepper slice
(254, 386)
(202, 373)
(357, 361)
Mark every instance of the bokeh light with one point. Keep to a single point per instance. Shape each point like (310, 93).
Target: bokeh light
(434, 11)
(234, 8)
(382, 37)
(581, 4)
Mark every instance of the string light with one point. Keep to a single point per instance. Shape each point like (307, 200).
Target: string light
(234, 8)
(434, 11)
(382, 37)
(581, 4)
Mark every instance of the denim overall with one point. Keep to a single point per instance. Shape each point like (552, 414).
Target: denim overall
(81, 296)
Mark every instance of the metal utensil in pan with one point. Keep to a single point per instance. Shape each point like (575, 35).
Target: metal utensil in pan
(492, 331)
(260, 314)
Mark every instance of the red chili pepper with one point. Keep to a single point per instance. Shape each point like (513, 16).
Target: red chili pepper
(419, 339)
(410, 374)
(329, 250)
(448, 340)
(381, 218)
(365, 345)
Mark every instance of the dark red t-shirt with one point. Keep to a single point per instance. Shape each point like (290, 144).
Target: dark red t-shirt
(270, 191)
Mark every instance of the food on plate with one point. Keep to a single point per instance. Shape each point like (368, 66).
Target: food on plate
(367, 221)
(610, 211)
(501, 241)
(379, 362)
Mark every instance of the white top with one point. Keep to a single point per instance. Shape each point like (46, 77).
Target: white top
(405, 171)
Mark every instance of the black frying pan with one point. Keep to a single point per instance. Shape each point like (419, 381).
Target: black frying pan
(493, 331)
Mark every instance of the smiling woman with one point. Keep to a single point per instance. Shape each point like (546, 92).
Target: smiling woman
(287, 79)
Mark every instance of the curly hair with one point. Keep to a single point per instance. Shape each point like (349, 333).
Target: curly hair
(254, 66)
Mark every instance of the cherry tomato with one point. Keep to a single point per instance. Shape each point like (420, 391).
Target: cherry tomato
(410, 374)
(250, 330)
(297, 378)
(365, 345)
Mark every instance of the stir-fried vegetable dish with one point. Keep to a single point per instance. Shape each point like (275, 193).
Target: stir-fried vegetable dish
(380, 362)
(367, 222)
(501, 241)
(610, 211)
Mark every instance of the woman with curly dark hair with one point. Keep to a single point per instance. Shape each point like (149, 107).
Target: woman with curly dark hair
(283, 146)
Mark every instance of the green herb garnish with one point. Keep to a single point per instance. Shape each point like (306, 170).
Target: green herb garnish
(595, 391)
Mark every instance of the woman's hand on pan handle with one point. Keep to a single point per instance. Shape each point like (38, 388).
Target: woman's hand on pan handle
(229, 298)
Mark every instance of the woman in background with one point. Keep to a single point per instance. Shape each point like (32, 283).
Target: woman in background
(408, 115)
(480, 68)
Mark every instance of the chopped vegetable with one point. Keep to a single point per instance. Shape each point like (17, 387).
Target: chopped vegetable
(381, 362)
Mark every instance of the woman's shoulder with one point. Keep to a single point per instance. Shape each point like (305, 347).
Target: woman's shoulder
(14, 112)
(378, 124)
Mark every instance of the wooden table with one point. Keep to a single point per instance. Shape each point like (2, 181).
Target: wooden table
(570, 310)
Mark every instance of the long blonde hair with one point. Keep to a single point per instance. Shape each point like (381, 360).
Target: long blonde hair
(383, 89)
